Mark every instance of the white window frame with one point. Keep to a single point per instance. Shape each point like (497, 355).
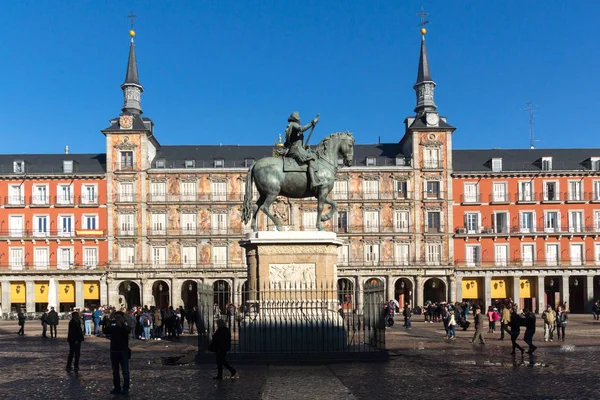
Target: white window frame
(126, 192)
(158, 191)
(61, 251)
(188, 223)
(470, 192)
(499, 196)
(16, 229)
(44, 232)
(576, 221)
(90, 256)
(575, 193)
(66, 231)
(161, 163)
(219, 222)
(159, 256)
(190, 163)
(402, 253)
(401, 221)
(64, 193)
(85, 218)
(219, 255)
(371, 189)
(574, 260)
(597, 220)
(556, 190)
(19, 167)
(127, 224)
(219, 163)
(595, 163)
(218, 191)
(16, 195)
(42, 198)
(473, 255)
(343, 254)
(41, 257)
(525, 259)
(501, 259)
(371, 161)
(340, 190)
(597, 253)
(496, 164)
(372, 253)
(551, 229)
(372, 222)
(546, 163)
(188, 191)
(469, 217)
(432, 158)
(67, 166)
(309, 220)
(526, 192)
(89, 194)
(127, 256)
(433, 253)
(522, 228)
(158, 223)
(501, 229)
(189, 256)
(596, 190)
(401, 189)
(16, 257)
(552, 260)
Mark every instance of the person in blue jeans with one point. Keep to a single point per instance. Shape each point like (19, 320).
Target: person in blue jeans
(452, 326)
(407, 314)
(87, 321)
(118, 331)
(146, 320)
(97, 318)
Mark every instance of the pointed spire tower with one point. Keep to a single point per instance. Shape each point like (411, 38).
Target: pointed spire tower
(132, 90)
(425, 85)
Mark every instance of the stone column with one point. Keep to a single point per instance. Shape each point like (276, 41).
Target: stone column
(589, 286)
(451, 289)
(487, 292)
(175, 292)
(458, 287)
(390, 287)
(79, 303)
(360, 294)
(30, 296)
(57, 288)
(146, 293)
(5, 298)
(418, 291)
(235, 292)
(516, 290)
(540, 294)
(564, 291)
(103, 287)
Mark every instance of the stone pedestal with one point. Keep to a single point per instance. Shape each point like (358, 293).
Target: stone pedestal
(292, 303)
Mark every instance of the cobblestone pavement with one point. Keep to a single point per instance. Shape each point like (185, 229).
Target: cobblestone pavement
(422, 366)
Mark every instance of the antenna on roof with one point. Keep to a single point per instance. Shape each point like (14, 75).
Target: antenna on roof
(530, 109)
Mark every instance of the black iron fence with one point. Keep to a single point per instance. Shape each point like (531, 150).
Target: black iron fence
(295, 319)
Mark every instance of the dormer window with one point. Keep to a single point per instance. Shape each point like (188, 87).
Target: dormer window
(496, 165)
(219, 163)
(546, 163)
(595, 163)
(340, 162)
(68, 166)
(248, 162)
(19, 167)
(400, 161)
(190, 163)
(371, 161)
(160, 163)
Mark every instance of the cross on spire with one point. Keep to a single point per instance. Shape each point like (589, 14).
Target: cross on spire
(132, 17)
(423, 14)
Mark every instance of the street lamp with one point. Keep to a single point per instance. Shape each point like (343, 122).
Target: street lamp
(402, 285)
(575, 283)
(18, 288)
(67, 288)
(129, 287)
(42, 288)
(190, 287)
(551, 282)
(160, 287)
(433, 284)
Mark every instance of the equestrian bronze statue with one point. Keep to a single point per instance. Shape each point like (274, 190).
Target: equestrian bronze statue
(301, 172)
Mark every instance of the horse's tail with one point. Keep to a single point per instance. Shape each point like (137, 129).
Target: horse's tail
(247, 206)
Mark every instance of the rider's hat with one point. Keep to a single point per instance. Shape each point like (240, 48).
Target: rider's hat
(294, 117)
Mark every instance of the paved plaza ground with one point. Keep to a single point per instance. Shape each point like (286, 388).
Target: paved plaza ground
(422, 365)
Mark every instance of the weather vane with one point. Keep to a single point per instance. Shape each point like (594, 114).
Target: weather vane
(424, 22)
(131, 17)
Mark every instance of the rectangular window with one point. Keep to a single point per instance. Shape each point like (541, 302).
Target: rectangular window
(596, 192)
(309, 220)
(218, 191)
(68, 166)
(218, 222)
(40, 257)
(597, 221)
(595, 163)
(188, 191)
(248, 162)
(371, 190)
(15, 195)
(525, 191)
(551, 221)
(576, 254)
(496, 165)
(65, 225)
(472, 222)
(158, 191)
(64, 257)
(501, 255)
(401, 189)
(575, 221)
(433, 221)
(597, 253)
(402, 253)
(501, 222)
(90, 256)
(401, 221)
(15, 225)
(219, 255)
(159, 224)
(473, 255)
(159, 256)
(219, 163)
(127, 160)
(433, 253)
(432, 190)
(188, 256)
(88, 194)
(127, 256)
(400, 161)
(371, 254)
(551, 191)
(371, 162)
(528, 253)
(546, 163)
(190, 163)
(65, 194)
(19, 167)
(552, 254)
(341, 221)
(499, 192)
(471, 193)
(188, 224)
(343, 255)
(90, 222)
(527, 222)
(575, 192)
(160, 163)
(40, 195)
(340, 190)
(371, 221)
(126, 224)
(16, 257)
(431, 158)
(126, 192)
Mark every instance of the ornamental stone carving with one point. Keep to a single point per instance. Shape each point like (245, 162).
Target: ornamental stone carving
(287, 250)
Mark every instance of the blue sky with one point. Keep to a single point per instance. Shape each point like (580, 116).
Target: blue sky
(232, 71)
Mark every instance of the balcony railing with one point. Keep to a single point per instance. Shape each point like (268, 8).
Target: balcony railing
(500, 197)
(51, 233)
(432, 164)
(434, 229)
(126, 166)
(126, 198)
(525, 262)
(197, 265)
(471, 198)
(14, 201)
(519, 230)
(42, 265)
(64, 200)
(433, 195)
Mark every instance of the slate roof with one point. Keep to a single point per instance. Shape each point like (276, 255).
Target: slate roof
(139, 124)
(53, 163)
(523, 159)
(131, 76)
(423, 74)
(235, 156)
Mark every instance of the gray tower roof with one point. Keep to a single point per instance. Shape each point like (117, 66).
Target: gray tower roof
(132, 70)
(423, 75)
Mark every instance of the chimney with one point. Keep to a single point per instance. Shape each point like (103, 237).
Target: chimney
(66, 149)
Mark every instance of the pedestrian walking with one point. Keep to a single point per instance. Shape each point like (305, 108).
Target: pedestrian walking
(118, 331)
(75, 338)
(479, 326)
(596, 310)
(452, 326)
(88, 319)
(52, 320)
(549, 317)
(529, 330)
(21, 322)
(44, 319)
(515, 330)
(97, 314)
(504, 322)
(407, 314)
(221, 344)
(561, 323)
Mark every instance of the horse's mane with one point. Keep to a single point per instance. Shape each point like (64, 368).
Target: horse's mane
(321, 148)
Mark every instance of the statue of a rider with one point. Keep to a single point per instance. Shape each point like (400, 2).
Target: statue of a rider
(294, 142)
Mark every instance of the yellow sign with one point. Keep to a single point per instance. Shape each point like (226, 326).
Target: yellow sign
(525, 286)
(66, 292)
(470, 288)
(499, 286)
(17, 292)
(91, 291)
(41, 292)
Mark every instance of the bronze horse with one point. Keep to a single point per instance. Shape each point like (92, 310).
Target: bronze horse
(272, 181)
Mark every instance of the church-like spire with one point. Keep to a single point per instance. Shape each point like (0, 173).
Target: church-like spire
(424, 85)
(132, 89)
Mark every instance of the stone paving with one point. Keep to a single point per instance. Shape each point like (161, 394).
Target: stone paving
(422, 366)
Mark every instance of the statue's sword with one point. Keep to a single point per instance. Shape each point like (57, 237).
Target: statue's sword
(310, 134)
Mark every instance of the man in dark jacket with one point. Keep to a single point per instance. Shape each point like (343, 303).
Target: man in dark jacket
(221, 344)
(52, 320)
(21, 321)
(515, 329)
(74, 337)
(118, 331)
(479, 323)
(44, 319)
(529, 330)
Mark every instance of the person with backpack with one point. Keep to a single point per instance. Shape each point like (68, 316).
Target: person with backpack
(146, 320)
